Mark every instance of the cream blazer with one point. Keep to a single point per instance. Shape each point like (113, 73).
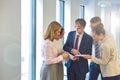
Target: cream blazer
(108, 61)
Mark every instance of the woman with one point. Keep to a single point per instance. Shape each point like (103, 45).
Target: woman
(108, 61)
(49, 52)
(58, 42)
(59, 47)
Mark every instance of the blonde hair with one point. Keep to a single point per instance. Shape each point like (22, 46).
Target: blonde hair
(51, 29)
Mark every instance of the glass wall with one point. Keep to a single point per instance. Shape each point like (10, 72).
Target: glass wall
(25, 39)
(28, 40)
(39, 36)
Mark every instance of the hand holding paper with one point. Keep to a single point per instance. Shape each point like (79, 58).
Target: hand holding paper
(74, 52)
(74, 58)
(84, 56)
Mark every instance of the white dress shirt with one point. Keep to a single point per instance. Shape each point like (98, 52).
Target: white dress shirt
(80, 38)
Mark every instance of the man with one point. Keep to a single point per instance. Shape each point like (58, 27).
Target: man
(77, 67)
(95, 68)
(108, 59)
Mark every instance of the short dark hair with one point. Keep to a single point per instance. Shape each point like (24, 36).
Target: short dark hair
(98, 29)
(81, 22)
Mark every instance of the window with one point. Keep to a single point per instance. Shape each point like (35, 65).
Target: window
(39, 36)
(62, 3)
(28, 40)
(82, 11)
(115, 29)
(25, 39)
(60, 11)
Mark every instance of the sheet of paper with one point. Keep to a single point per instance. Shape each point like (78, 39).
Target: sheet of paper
(80, 55)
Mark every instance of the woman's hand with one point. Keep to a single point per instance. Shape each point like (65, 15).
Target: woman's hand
(65, 55)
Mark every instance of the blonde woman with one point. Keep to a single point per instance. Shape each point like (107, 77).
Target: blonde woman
(49, 52)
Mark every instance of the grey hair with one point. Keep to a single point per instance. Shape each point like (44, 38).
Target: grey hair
(95, 19)
(81, 22)
(99, 29)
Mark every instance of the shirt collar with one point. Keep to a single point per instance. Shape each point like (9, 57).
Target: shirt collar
(79, 34)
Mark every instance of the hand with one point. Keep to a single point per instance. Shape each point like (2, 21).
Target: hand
(60, 53)
(65, 55)
(60, 62)
(86, 56)
(75, 58)
(75, 52)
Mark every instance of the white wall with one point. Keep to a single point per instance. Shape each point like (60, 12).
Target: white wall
(10, 36)
(49, 12)
(72, 12)
(91, 10)
(75, 12)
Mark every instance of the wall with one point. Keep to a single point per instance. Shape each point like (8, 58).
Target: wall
(49, 12)
(91, 10)
(75, 12)
(10, 36)
(71, 14)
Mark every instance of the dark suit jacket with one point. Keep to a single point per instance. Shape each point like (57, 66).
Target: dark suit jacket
(84, 48)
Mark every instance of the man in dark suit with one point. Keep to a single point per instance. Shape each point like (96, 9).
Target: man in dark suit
(78, 42)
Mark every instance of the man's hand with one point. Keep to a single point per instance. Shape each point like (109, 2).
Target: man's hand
(75, 52)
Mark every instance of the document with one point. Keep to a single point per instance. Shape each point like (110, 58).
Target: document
(80, 55)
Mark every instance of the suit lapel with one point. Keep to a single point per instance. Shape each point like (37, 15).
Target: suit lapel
(83, 43)
(73, 38)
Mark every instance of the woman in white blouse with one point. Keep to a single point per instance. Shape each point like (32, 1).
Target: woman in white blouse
(49, 52)
(108, 61)
(59, 46)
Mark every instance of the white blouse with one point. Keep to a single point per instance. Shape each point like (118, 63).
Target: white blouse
(58, 45)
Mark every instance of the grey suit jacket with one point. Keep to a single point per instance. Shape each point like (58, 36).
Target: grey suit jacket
(108, 61)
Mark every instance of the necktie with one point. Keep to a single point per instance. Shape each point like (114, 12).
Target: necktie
(97, 52)
(76, 42)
